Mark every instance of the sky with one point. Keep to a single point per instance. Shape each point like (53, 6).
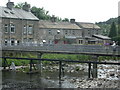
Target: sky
(81, 10)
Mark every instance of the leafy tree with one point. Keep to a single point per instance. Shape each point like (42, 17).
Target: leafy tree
(19, 5)
(40, 13)
(113, 30)
(117, 39)
(119, 25)
(65, 20)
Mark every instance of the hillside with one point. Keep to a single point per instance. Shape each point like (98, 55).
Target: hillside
(105, 26)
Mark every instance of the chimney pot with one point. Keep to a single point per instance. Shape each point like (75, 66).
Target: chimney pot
(72, 20)
(10, 5)
(26, 7)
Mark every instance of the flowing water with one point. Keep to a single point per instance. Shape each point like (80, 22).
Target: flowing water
(20, 80)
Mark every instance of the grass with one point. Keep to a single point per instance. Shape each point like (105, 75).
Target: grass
(54, 56)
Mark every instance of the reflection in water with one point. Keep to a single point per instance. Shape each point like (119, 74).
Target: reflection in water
(21, 80)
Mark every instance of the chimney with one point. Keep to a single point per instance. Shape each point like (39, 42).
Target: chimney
(26, 7)
(53, 18)
(72, 20)
(10, 5)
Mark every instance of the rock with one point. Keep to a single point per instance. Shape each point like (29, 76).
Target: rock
(112, 74)
(72, 71)
(100, 84)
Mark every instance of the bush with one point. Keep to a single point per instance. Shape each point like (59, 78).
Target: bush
(117, 39)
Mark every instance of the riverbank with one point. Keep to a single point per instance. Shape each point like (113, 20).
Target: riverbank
(108, 75)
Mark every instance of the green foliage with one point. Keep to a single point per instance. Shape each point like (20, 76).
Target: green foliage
(66, 57)
(19, 5)
(65, 20)
(40, 13)
(105, 28)
(106, 25)
(117, 39)
(119, 25)
(113, 30)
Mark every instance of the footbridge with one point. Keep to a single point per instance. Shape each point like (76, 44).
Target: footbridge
(94, 50)
(98, 50)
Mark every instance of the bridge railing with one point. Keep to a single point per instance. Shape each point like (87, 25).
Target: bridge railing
(64, 48)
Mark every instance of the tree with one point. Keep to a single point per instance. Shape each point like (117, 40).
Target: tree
(65, 20)
(19, 5)
(113, 30)
(118, 25)
(40, 13)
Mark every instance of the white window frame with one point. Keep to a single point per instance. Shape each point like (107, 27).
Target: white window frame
(25, 29)
(6, 42)
(6, 28)
(12, 40)
(30, 29)
(12, 27)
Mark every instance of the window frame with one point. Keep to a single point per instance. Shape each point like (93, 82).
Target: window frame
(12, 28)
(6, 28)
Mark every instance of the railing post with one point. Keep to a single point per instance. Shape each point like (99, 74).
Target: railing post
(39, 55)
(89, 70)
(4, 63)
(30, 65)
(94, 72)
(60, 69)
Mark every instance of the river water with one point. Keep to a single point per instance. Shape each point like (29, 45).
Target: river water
(20, 80)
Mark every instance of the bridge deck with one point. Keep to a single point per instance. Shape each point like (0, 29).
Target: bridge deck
(71, 49)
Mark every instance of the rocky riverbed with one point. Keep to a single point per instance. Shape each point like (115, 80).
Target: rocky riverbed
(108, 75)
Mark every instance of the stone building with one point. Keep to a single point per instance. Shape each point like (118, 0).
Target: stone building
(18, 25)
(89, 29)
(53, 32)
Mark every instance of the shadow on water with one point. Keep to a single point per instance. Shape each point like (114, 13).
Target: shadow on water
(12, 79)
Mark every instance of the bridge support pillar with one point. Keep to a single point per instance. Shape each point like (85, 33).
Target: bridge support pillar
(60, 69)
(89, 70)
(31, 65)
(39, 55)
(4, 63)
(94, 71)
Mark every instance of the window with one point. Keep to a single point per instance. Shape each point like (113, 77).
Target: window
(30, 40)
(12, 12)
(88, 32)
(49, 32)
(6, 28)
(80, 41)
(30, 29)
(18, 42)
(66, 32)
(12, 28)
(6, 42)
(25, 40)
(58, 31)
(6, 12)
(24, 29)
(73, 32)
(12, 41)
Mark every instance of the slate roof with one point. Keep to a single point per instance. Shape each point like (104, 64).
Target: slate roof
(57, 25)
(16, 13)
(87, 25)
(101, 37)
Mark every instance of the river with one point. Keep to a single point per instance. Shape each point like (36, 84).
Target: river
(48, 79)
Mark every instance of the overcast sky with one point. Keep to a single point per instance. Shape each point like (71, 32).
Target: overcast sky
(81, 10)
